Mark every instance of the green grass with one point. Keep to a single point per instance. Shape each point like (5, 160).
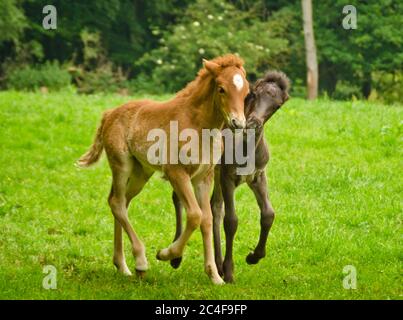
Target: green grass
(335, 183)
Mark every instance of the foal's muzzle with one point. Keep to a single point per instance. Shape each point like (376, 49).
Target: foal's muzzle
(237, 122)
(254, 123)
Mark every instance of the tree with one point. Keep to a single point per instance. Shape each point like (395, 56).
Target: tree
(310, 49)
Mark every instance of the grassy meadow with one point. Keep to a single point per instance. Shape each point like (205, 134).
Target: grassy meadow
(335, 183)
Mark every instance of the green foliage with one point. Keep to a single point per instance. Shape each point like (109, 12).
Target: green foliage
(293, 61)
(346, 91)
(102, 79)
(49, 75)
(124, 26)
(92, 50)
(25, 54)
(209, 29)
(142, 84)
(389, 86)
(335, 184)
(160, 48)
(96, 73)
(12, 21)
(353, 55)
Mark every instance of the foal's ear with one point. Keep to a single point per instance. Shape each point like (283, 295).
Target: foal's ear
(212, 67)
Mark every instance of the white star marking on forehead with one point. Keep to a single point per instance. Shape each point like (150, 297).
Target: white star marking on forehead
(238, 81)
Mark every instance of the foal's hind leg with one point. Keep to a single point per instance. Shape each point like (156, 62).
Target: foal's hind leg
(217, 207)
(119, 259)
(259, 188)
(202, 193)
(134, 186)
(122, 170)
(175, 263)
(230, 227)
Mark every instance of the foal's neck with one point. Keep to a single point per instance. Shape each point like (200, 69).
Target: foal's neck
(260, 138)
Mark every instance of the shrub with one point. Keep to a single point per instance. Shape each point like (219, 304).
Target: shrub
(102, 79)
(96, 73)
(142, 84)
(346, 91)
(49, 75)
(388, 87)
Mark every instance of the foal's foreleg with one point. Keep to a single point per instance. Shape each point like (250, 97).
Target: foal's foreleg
(230, 227)
(175, 263)
(259, 188)
(182, 185)
(217, 207)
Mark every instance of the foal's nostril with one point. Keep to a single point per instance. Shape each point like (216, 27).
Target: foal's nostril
(254, 123)
(237, 124)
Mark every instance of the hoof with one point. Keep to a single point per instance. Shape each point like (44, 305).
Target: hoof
(175, 263)
(229, 278)
(167, 254)
(251, 258)
(218, 281)
(140, 274)
(123, 269)
(126, 273)
(161, 256)
(220, 269)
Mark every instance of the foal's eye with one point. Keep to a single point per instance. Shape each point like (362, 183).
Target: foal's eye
(270, 93)
(221, 90)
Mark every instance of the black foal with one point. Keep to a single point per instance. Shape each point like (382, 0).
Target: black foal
(267, 96)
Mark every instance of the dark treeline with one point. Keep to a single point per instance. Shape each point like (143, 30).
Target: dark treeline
(157, 46)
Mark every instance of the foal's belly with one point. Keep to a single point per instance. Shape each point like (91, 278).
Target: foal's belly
(240, 179)
(201, 172)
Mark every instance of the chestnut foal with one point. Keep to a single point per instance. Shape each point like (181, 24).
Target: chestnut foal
(266, 97)
(215, 97)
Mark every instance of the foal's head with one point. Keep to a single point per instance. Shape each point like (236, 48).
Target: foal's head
(231, 88)
(267, 96)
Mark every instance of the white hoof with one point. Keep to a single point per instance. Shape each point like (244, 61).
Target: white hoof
(141, 264)
(218, 281)
(125, 271)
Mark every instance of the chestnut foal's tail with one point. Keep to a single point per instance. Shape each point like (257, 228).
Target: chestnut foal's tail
(95, 151)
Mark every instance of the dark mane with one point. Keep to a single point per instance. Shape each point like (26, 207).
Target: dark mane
(277, 77)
